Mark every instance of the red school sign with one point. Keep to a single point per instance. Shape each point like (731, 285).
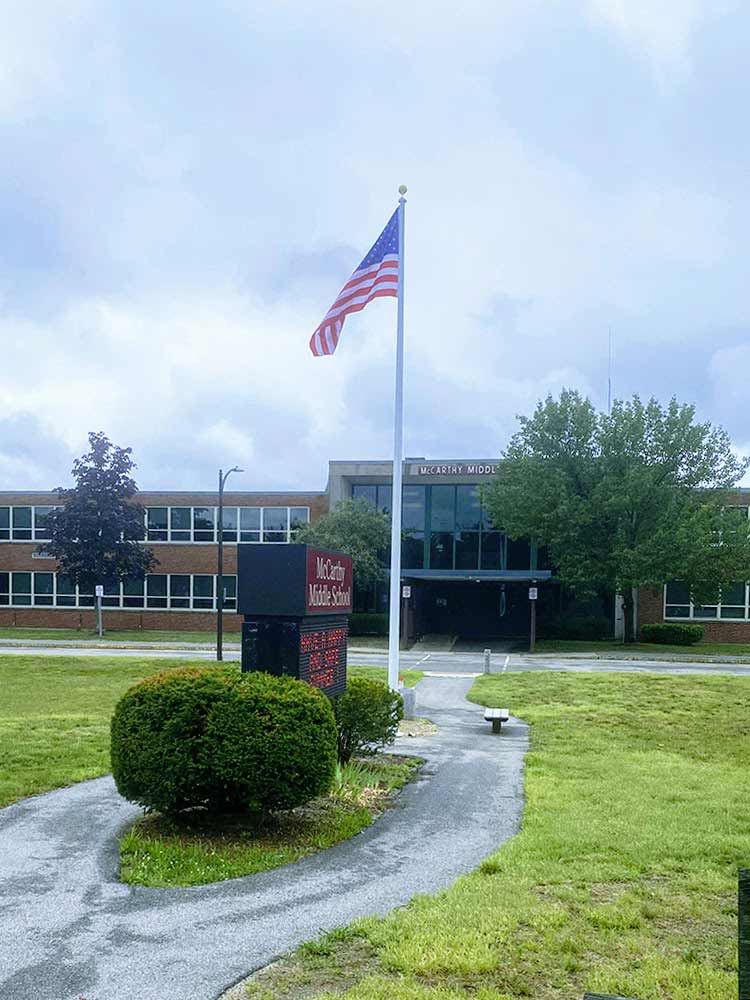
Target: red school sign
(329, 583)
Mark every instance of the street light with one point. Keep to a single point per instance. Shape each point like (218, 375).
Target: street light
(223, 476)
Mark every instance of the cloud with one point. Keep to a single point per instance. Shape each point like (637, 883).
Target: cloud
(184, 190)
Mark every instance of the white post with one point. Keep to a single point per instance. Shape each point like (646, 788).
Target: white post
(394, 629)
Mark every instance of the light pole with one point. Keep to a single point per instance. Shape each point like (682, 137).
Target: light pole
(223, 476)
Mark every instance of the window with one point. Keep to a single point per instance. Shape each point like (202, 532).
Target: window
(298, 516)
(468, 510)
(21, 593)
(492, 550)
(41, 523)
(133, 593)
(365, 492)
(179, 590)
(156, 590)
(275, 524)
(4, 524)
(467, 550)
(111, 597)
(203, 592)
(66, 592)
(21, 524)
(229, 524)
(518, 553)
(385, 499)
(179, 523)
(441, 550)
(230, 593)
(732, 603)
(156, 524)
(203, 524)
(4, 588)
(250, 524)
(413, 524)
(44, 588)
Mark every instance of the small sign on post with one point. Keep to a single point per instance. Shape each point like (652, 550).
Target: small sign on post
(99, 592)
(406, 592)
(533, 593)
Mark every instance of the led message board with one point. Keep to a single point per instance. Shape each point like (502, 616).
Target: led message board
(295, 600)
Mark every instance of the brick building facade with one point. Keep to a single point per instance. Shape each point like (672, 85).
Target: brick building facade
(465, 576)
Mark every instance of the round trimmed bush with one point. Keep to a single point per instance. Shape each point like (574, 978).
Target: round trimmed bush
(228, 741)
(367, 717)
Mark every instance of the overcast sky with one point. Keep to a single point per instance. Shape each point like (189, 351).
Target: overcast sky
(184, 187)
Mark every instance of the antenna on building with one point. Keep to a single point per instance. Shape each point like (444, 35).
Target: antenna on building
(609, 374)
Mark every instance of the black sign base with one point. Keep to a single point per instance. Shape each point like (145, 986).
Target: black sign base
(311, 649)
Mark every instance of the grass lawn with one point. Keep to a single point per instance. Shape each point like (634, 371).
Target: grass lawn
(55, 712)
(113, 635)
(607, 647)
(158, 851)
(622, 879)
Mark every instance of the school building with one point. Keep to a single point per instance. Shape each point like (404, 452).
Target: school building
(464, 576)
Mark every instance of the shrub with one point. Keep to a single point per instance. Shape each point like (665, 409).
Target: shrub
(672, 634)
(576, 627)
(368, 624)
(228, 741)
(367, 717)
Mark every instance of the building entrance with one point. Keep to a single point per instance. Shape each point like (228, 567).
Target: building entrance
(488, 609)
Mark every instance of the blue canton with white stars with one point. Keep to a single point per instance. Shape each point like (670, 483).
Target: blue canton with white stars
(386, 243)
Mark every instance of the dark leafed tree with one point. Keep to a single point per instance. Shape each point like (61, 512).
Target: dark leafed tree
(357, 529)
(633, 498)
(96, 533)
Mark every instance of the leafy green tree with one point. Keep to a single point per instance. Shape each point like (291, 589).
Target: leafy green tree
(357, 529)
(96, 533)
(633, 498)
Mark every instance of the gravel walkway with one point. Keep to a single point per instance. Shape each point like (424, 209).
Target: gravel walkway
(70, 930)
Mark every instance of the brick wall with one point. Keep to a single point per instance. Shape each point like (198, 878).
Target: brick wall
(182, 621)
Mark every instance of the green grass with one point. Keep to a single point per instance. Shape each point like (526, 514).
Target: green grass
(622, 879)
(113, 635)
(604, 647)
(158, 851)
(55, 712)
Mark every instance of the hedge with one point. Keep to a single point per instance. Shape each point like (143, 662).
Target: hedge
(575, 627)
(672, 634)
(212, 737)
(368, 624)
(367, 717)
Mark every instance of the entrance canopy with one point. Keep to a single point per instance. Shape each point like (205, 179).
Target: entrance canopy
(478, 575)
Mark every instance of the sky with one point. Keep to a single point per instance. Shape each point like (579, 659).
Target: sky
(184, 188)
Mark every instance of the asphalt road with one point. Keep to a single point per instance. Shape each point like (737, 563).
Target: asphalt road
(72, 931)
(438, 663)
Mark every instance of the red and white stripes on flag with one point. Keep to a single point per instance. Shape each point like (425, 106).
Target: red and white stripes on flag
(376, 277)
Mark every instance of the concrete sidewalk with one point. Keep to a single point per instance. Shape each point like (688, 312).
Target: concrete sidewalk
(71, 930)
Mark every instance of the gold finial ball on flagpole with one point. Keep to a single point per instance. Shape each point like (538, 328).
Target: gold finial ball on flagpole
(402, 189)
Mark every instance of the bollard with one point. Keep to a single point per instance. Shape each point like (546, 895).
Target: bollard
(410, 701)
(743, 933)
(487, 655)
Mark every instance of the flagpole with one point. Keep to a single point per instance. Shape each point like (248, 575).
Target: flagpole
(394, 629)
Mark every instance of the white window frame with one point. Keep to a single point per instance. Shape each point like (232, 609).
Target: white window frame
(692, 617)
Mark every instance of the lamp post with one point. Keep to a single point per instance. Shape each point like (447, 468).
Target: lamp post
(223, 476)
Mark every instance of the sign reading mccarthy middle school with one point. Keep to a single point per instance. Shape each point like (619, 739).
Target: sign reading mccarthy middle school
(456, 469)
(329, 583)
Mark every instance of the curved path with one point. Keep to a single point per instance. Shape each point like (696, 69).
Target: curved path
(70, 930)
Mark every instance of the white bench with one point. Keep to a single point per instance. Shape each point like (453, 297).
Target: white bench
(497, 716)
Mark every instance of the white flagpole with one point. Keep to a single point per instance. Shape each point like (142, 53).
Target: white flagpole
(398, 464)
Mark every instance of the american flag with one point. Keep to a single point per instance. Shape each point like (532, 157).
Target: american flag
(375, 277)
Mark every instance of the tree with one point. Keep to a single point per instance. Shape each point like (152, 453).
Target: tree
(357, 529)
(633, 498)
(97, 531)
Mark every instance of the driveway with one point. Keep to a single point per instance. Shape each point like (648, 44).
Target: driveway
(71, 930)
